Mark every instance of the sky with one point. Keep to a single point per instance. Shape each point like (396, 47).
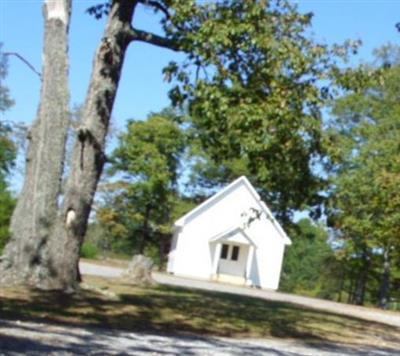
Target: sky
(142, 89)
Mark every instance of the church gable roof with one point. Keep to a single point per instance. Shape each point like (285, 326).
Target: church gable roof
(241, 181)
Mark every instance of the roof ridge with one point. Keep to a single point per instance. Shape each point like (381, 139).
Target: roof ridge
(180, 221)
(242, 179)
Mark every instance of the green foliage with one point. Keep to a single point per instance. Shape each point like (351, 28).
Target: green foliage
(89, 250)
(255, 103)
(149, 152)
(7, 148)
(141, 205)
(153, 251)
(7, 151)
(5, 99)
(310, 266)
(366, 198)
(7, 156)
(253, 82)
(97, 236)
(364, 204)
(7, 204)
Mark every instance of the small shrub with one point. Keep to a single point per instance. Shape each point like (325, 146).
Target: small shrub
(89, 250)
(4, 237)
(152, 251)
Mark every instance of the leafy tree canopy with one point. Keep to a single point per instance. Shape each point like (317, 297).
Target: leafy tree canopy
(364, 204)
(310, 265)
(251, 83)
(365, 198)
(255, 104)
(148, 160)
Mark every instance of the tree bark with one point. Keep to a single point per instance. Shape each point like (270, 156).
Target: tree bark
(384, 292)
(46, 238)
(361, 282)
(341, 285)
(145, 233)
(350, 296)
(37, 206)
(88, 156)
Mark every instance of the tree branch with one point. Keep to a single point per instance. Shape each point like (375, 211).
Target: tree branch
(25, 61)
(157, 6)
(151, 38)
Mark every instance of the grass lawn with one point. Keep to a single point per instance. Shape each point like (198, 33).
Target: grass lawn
(168, 309)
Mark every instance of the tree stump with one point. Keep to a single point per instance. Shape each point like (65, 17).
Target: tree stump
(139, 270)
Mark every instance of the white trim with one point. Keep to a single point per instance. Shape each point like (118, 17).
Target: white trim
(216, 257)
(225, 234)
(237, 182)
(241, 180)
(276, 224)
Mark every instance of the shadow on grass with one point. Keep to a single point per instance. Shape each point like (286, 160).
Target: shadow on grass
(43, 339)
(175, 310)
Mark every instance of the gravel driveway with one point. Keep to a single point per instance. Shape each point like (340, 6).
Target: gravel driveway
(390, 318)
(28, 338)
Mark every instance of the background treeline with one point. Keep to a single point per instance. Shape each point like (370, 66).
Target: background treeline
(341, 168)
(351, 253)
(7, 156)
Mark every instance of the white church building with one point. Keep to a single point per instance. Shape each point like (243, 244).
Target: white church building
(231, 237)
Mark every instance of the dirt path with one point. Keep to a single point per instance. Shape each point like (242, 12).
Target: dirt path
(31, 338)
(390, 318)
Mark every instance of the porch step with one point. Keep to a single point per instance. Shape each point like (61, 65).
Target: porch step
(226, 278)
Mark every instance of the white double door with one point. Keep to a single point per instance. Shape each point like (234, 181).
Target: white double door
(233, 259)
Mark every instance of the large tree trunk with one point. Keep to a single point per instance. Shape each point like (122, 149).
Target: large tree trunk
(88, 156)
(44, 250)
(384, 292)
(37, 206)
